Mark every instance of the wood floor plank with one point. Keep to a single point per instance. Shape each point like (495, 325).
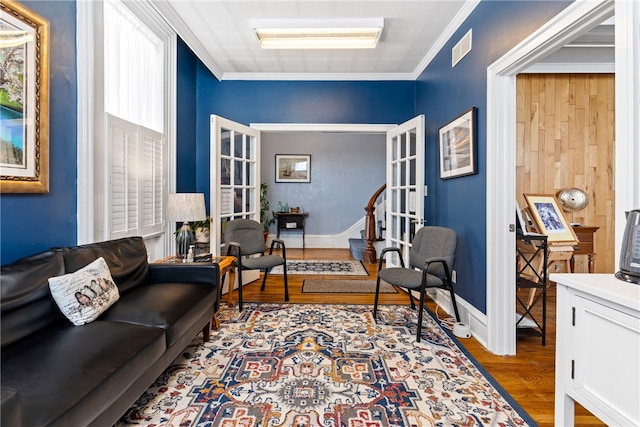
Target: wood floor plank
(529, 376)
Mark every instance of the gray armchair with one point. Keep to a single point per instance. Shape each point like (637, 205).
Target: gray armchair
(431, 260)
(245, 241)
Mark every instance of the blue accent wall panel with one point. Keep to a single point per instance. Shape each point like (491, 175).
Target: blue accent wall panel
(31, 223)
(186, 113)
(442, 94)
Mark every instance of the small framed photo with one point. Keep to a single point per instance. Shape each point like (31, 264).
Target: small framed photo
(457, 141)
(293, 168)
(548, 219)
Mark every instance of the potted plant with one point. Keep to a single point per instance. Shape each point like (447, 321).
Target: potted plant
(266, 219)
(202, 230)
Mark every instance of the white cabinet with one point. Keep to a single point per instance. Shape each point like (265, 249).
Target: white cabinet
(597, 348)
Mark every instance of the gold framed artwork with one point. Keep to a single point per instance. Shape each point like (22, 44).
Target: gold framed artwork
(24, 100)
(548, 219)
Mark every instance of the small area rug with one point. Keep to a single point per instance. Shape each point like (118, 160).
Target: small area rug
(323, 266)
(345, 286)
(324, 365)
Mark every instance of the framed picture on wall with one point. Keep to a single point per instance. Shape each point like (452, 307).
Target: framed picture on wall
(548, 219)
(293, 168)
(457, 141)
(24, 99)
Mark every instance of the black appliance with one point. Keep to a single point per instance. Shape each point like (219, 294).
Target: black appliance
(630, 251)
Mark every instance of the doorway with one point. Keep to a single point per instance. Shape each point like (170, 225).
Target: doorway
(501, 102)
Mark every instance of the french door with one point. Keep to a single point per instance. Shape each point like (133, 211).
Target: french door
(235, 177)
(405, 186)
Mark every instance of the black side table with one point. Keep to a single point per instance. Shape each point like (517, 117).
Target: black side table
(291, 221)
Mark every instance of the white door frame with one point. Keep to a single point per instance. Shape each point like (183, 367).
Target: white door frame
(501, 118)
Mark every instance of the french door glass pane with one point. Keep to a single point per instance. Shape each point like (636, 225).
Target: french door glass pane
(225, 143)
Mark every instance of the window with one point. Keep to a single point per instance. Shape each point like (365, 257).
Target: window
(133, 81)
(126, 107)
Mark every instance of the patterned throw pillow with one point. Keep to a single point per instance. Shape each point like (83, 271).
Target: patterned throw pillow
(84, 295)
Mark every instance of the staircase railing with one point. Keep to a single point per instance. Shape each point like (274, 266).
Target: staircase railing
(369, 253)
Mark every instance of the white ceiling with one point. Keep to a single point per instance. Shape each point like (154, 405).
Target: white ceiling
(219, 33)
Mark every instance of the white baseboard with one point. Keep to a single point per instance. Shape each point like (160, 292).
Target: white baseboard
(468, 313)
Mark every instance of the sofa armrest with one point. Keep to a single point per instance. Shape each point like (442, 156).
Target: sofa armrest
(11, 412)
(208, 274)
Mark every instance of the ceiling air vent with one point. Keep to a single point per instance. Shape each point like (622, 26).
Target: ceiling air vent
(461, 49)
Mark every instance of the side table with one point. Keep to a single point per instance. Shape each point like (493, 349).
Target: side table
(586, 246)
(225, 265)
(291, 221)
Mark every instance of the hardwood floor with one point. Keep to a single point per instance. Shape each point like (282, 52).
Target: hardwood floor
(528, 377)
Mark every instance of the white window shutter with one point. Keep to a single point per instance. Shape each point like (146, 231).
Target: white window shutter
(137, 179)
(152, 179)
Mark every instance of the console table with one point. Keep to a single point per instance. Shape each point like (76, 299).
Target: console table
(597, 348)
(586, 237)
(291, 221)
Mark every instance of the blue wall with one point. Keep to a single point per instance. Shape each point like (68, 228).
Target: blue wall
(186, 113)
(31, 223)
(249, 102)
(442, 94)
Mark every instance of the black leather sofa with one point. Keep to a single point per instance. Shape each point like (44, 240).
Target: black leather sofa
(58, 374)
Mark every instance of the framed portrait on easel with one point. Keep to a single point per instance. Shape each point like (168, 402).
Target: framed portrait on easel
(548, 219)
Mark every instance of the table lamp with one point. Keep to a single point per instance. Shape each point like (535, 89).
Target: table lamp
(185, 207)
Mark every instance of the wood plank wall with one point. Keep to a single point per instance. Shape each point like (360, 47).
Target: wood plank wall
(565, 138)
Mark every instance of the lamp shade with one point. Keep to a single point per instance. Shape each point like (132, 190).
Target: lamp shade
(186, 207)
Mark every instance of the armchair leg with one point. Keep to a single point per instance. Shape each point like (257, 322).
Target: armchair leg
(419, 332)
(375, 301)
(239, 275)
(455, 305)
(286, 283)
(264, 279)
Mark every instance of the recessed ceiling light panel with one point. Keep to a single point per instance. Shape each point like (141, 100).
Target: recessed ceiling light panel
(318, 33)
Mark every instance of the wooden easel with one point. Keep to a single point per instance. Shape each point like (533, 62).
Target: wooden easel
(558, 251)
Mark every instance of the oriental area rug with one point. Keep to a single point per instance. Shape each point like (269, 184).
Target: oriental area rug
(324, 365)
(323, 266)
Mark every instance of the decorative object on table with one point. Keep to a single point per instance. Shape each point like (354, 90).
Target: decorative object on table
(573, 200)
(345, 286)
(202, 230)
(299, 364)
(457, 141)
(25, 117)
(549, 220)
(293, 168)
(185, 207)
(266, 218)
(324, 267)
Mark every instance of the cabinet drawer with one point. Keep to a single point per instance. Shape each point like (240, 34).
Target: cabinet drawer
(290, 222)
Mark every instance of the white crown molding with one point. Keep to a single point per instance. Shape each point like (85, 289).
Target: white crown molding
(559, 68)
(319, 76)
(453, 26)
(180, 27)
